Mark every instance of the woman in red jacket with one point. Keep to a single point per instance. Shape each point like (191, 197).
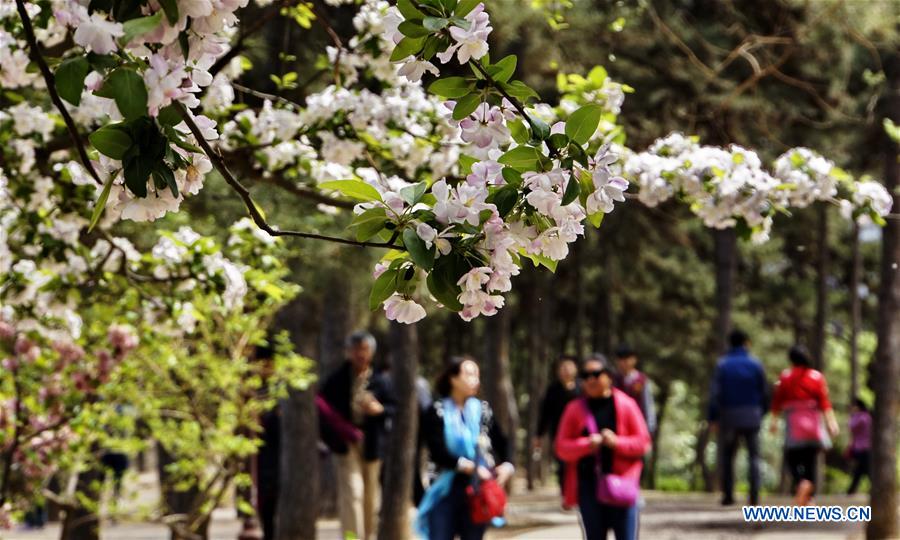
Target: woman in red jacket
(802, 395)
(602, 437)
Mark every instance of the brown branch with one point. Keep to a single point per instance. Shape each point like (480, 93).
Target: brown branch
(38, 58)
(244, 193)
(238, 46)
(300, 191)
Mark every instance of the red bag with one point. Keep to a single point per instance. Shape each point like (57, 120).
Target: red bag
(487, 500)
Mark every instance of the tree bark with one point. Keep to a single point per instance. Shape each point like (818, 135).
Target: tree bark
(81, 523)
(884, 499)
(726, 268)
(855, 312)
(536, 369)
(665, 391)
(820, 332)
(397, 474)
(175, 501)
(299, 494)
(496, 382)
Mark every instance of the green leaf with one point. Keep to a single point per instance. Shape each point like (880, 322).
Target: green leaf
(519, 90)
(518, 131)
(137, 172)
(413, 29)
(504, 69)
(69, 79)
(127, 88)
(512, 176)
(415, 246)
(558, 141)
(435, 24)
(442, 285)
(892, 129)
(412, 194)
(176, 137)
(583, 123)
(521, 158)
(171, 9)
(450, 87)
(433, 44)
(449, 5)
(465, 6)
(356, 189)
(164, 176)
(111, 140)
(466, 105)
(383, 288)
(408, 10)
(101, 202)
(548, 263)
(169, 116)
(465, 163)
(596, 219)
(505, 199)
(541, 128)
(572, 191)
(141, 25)
(408, 46)
(369, 223)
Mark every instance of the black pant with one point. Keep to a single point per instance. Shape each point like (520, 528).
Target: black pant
(450, 519)
(801, 463)
(860, 469)
(729, 438)
(268, 506)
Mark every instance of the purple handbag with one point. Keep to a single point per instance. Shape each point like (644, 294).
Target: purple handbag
(612, 489)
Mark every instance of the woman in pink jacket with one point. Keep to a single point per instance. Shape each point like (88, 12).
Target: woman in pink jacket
(602, 437)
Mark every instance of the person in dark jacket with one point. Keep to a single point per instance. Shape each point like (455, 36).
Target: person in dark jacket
(559, 393)
(464, 443)
(358, 398)
(635, 383)
(737, 402)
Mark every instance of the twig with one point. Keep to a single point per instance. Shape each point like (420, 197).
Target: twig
(51, 89)
(244, 193)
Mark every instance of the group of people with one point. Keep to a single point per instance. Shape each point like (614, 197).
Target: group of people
(739, 399)
(599, 418)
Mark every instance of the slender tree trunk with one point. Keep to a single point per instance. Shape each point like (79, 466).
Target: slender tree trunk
(535, 369)
(886, 371)
(580, 300)
(81, 523)
(665, 391)
(398, 474)
(820, 332)
(299, 495)
(177, 501)
(496, 382)
(726, 268)
(725, 242)
(855, 313)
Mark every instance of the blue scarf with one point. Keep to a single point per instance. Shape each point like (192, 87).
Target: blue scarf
(461, 431)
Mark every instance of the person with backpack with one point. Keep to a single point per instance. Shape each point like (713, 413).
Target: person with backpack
(472, 456)
(602, 439)
(802, 396)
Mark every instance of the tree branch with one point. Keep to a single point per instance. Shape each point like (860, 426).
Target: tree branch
(244, 193)
(38, 58)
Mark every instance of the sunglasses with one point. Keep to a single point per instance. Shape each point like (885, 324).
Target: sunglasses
(592, 374)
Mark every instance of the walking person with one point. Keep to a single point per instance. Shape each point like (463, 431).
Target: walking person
(602, 439)
(738, 400)
(860, 443)
(559, 393)
(802, 395)
(635, 383)
(356, 409)
(467, 447)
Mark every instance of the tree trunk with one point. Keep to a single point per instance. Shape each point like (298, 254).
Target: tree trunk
(886, 370)
(665, 391)
(80, 523)
(531, 306)
(580, 300)
(820, 332)
(177, 501)
(298, 497)
(496, 382)
(855, 313)
(397, 474)
(726, 268)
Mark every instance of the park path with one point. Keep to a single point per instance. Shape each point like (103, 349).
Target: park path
(537, 516)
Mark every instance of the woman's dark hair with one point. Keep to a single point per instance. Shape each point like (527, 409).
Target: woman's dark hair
(860, 404)
(799, 356)
(443, 384)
